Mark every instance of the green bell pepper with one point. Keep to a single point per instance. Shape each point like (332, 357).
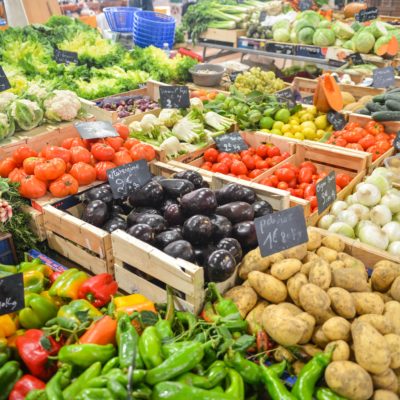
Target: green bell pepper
(10, 373)
(79, 311)
(35, 265)
(38, 310)
(5, 353)
(95, 394)
(84, 355)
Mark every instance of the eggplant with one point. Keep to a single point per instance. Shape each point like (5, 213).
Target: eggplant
(222, 227)
(142, 232)
(177, 228)
(132, 216)
(116, 210)
(173, 214)
(102, 193)
(165, 238)
(262, 208)
(146, 210)
(175, 188)
(166, 203)
(220, 266)
(191, 176)
(245, 233)
(149, 195)
(233, 246)
(157, 222)
(201, 253)
(115, 223)
(200, 201)
(180, 249)
(158, 178)
(198, 229)
(234, 192)
(237, 211)
(96, 213)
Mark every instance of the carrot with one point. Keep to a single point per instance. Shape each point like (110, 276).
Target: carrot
(101, 331)
(212, 95)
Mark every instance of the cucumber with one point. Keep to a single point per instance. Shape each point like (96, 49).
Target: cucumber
(379, 99)
(397, 90)
(374, 107)
(364, 111)
(393, 96)
(392, 105)
(386, 116)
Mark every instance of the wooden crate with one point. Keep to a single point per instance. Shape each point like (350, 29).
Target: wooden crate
(222, 36)
(326, 160)
(36, 222)
(140, 267)
(77, 240)
(367, 254)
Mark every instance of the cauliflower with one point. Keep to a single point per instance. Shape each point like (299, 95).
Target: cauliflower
(62, 105)
(36, 92)
(27, 114)
(169, 117)
(6, 98)
(7, 126)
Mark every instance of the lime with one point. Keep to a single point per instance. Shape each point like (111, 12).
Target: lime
(266, 122)
(282, 115)
(276, 132)
(278, 125)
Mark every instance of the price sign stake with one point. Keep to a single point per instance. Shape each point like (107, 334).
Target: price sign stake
(230, 143)
(65, 57)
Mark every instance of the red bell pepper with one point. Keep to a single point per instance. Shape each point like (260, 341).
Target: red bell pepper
(98, 289)
(34, 347)
(54, 275)
(25, 385)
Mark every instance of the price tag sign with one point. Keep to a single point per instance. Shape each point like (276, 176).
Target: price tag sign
(281, 230)
(263, 15)
(174, 97)
(127, 178)
(233, 75)
(336, 63)
(308, 100)
(383, 77)
(310, 51)
(4, 83)
(305, 5)
(65, 57)
(355, 58)
(96, 129)
(337, 120)
(368, 14)
(230, 143)
(396, 142)
(11, 294)
(326, 192)
(286, 96)
(279, 48)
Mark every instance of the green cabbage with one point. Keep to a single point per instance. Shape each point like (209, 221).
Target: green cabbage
(342, 30)
(281, 35)
(293, 36)
(7, 126)
(339, 42)
(27, 114)
(282, 24)
(364, 42)
(312, 17)
(305, 36)
(302, 23)
(349, 45)
(324, 37)
(324, 24)
(378, 29)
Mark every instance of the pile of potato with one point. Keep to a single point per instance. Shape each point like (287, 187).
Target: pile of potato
(317, 296)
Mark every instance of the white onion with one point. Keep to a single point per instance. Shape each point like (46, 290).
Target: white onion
(386, 172)
(352, 199)
(349, 217)
(342, 229)
(392, 229)
(374, 236)
(394, 248)
(368, 194)
(361, 224)
(392, 200)
(382, 183)
(338, 207)
(380, 215)
(361, 211)
(326, 221)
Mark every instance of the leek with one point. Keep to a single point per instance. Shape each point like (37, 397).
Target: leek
(222, 24)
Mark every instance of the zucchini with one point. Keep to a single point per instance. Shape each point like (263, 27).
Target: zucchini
(392, 105)
(392, 96)
(396, 90)
(379, 99)
(375, 107)
(386, 116)
(364, 111)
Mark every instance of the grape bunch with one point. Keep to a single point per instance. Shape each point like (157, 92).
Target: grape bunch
(257, 79)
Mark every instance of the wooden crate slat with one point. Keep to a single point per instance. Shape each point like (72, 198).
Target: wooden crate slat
(36, 223)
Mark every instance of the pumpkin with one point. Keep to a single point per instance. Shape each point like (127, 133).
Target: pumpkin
(327, 94)
(353, 8)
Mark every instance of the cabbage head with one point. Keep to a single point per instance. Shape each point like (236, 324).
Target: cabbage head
(282, 24)
(281, 35)
(26, 114)
(364, 42)
(312, 17)
(7, 126)
(301, 24)
(342, 30)
(306, 35)
(324, 37)
(6, 98)
(324, 24)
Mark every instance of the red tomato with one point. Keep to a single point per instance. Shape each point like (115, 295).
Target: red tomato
(342, 179)
(309, 164)
(367, 141)
(384, 145)
(50, 169)
(80, 154)
(262, 150)
(30, 163)
(256, 172)
(351, 126)
(274, 180)
(16, 175)
(267, 182)
(220, 167)
(115, 142)
(73, 142)
(103, 152)
(211, 155)
(130, 143)
(23, 152)
(276, 160)
(239, 168)
(283, 185)
(309, 190)
(101, 169)
(273, 151)
(50, 152)
(32, 187)
(121, 158)
(285, 174)
(303, 185)
(85, 174)
(293, 183)
(354, 136)
(262, 164)
(285, 155)
(6, 166)
(223, 155)
(142, 152)
(245, 177)
(298, 192)
(63, 186)
(354, 146)
(206, 166)
(313, 201)
(122, 130)
(381, 136)
(305, 175)
(249, 162)
(340, 142)
(227, 161)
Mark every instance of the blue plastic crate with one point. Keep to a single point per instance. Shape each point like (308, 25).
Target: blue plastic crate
(7, 251)
(120, 19)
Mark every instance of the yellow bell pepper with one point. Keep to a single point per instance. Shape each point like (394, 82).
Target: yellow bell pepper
(13, 338)
(130, 300)
(7, 326)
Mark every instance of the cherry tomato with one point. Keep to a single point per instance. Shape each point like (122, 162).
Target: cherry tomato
(211, 155)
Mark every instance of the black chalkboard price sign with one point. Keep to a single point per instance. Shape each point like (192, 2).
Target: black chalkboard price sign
(174, 97)
(65, 57)
(286, 96)
(127, 178)
(4, 83)
(368, 14)
(281, 230)
(96, 129)
(336, 63)
(233, 75)
(11, 294)
(308, 100)
(230, 143)
(326, 192)
(279, 48)
(355, 59)
(337, 120)
(263, 15)
(396, 142)
(383, 77)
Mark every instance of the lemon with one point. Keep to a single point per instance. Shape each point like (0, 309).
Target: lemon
(299, 135)
(294, 121)
(309, 125)
(276, 132)
(301, 113)
(312, 110)
(286, 128)
(278, 125)
(309, 133)
(289, 135)
(307, 117)
(321, 122)
(320, 133)
(282, 115)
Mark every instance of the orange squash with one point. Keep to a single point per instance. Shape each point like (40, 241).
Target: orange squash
(353, 8)
(393, 46)
(327, 94)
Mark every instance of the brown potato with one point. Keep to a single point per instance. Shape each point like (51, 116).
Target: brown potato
(334, 243)
(350, 279)
(368, 303)
(393, 341)
(352, 262)
(381, 394)
(310, 321)
(327, 254)
(337, 265)
(349, 380)
(324, 316)
(314, 239)
(291, 308)
(319, 337)
(341, 350)
(311, 349)
(370, 347)
(254, 317)
(392, 313)
(268, 287)
(384, 296)
(294, 285)
(313, 299)
(253, 261)
(395, 289)
(342, 302)
(382, 277)
(244, 297)
(298, 252)
(387, 380)
(309, 257)
(284, 269)
(337, 328)
(320, 274)
(387, 263)
(379, 322)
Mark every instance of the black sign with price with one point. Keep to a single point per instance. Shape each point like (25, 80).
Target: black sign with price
(286, 96)
(355, 58)
(65, 57)
(4, 83)
(174, 97)
(367, 14)
(230, 143)
(279, 48)
(337, 120)
(11, 294)
(281, 230)
(326, 192)
(127, 178)
(308, 100)
(96, 129)
(383, 77)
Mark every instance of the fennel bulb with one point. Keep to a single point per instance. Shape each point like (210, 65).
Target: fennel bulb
(338, 207)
